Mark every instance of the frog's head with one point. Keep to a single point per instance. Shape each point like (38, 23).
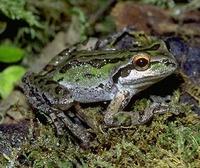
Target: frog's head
(146, 68)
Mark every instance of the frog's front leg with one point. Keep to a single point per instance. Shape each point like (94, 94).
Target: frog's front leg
(115, 116)
(115, 108)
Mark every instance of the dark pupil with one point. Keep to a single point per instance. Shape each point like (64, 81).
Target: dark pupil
(141, 62)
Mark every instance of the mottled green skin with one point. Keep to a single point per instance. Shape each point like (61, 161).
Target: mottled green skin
(89, 71)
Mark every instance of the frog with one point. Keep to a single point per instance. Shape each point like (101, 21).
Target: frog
(102, 72)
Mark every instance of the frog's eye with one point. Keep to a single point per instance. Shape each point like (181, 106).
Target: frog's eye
(141, 61)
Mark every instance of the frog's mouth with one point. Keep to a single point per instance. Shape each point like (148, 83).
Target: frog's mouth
(147, 80)
(143, 84)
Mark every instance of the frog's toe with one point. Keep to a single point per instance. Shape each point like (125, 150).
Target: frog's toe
(127, 119)
(59, 129)
(159, 99)
(81, 134)
(124, 119)
(57, 124)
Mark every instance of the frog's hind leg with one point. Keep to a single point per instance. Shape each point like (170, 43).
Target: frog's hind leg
(61, 121)
(58, 124)
(77, 130)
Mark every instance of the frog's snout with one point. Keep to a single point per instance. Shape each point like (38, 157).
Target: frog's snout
(170, 62)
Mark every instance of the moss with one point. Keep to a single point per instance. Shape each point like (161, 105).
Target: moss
(169, 140)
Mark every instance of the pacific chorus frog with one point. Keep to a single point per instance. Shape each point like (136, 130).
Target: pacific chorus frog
(110, 70)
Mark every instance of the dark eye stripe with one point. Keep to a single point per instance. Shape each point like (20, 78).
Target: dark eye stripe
(123, 72)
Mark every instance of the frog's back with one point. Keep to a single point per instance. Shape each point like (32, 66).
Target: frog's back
(88, 75)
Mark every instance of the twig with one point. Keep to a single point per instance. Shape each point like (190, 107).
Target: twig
(94, 18)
